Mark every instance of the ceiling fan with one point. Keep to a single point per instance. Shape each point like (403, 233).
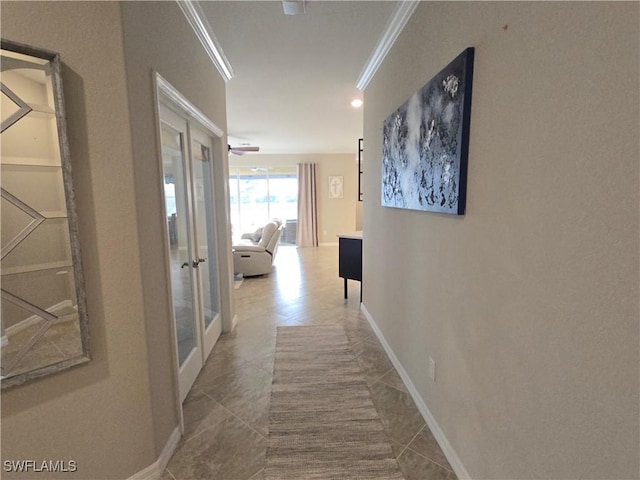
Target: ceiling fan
(242, 149)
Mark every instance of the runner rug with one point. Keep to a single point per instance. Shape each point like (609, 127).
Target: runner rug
(322, 422)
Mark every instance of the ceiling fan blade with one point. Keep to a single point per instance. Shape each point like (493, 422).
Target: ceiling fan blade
(241, 150)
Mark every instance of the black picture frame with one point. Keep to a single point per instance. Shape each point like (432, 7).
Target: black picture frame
(360, 152)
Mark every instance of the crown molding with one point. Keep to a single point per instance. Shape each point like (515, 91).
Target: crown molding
(392, 30)
(163, 87)
(199, 23)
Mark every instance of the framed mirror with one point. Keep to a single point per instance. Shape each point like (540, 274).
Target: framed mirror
(43, 306)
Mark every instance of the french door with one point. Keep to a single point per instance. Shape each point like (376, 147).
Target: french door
(190, 214)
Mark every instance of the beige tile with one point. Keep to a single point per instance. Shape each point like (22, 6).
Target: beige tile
(220, 363)
(425, 444)
(255, 317)
(229, 450)
(226, 416)
(201, 412)
(399, 415)
(416, 467)
(373, 360)
(266, 361)
(358, 329)
(238, 349)
(397, 448)
(393, 380)
(308, 320)
(245, 393)
(258, 328)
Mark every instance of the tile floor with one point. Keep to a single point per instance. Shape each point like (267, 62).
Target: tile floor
(226, 423)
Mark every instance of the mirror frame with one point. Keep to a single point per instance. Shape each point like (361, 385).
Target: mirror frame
(65, 159)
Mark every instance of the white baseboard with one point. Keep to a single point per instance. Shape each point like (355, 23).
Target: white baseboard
(447, 449)
(328, 244)
(4, 341)
(169, 449)
(156, 469)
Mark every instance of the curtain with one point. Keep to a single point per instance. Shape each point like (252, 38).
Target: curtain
(307, 235)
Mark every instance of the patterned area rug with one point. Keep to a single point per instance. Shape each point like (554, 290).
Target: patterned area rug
(322, 423)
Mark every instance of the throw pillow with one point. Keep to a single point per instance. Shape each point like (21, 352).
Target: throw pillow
(257, 235)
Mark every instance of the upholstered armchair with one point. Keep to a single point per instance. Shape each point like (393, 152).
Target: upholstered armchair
(254, 256)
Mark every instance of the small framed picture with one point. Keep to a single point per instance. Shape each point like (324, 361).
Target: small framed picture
(336, 186)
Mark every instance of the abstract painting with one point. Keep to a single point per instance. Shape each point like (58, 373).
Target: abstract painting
(426, 143)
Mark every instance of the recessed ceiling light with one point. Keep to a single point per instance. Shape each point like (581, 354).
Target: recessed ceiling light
(357, 103)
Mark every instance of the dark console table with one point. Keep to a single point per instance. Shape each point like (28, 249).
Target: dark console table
(350, 259)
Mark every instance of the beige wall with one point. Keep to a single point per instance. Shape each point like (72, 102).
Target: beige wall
(335, 215)
(359, 215)
(114, 415)
(96, 414)
(157, 37)
(528, 303)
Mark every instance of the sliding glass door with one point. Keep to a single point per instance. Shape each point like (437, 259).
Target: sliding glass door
(259, 194)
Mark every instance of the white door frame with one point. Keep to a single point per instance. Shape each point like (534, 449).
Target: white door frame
(166, 93)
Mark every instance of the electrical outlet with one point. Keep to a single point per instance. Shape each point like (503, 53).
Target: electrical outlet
(432, 369)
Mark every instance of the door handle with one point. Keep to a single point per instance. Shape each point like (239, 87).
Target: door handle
(197, 262)
(185, 264)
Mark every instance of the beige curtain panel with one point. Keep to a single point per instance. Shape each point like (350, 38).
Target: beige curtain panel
(307, 235)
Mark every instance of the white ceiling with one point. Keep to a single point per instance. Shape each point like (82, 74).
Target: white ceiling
(294, 76)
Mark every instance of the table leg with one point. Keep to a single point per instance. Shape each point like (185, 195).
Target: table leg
(345, 289)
